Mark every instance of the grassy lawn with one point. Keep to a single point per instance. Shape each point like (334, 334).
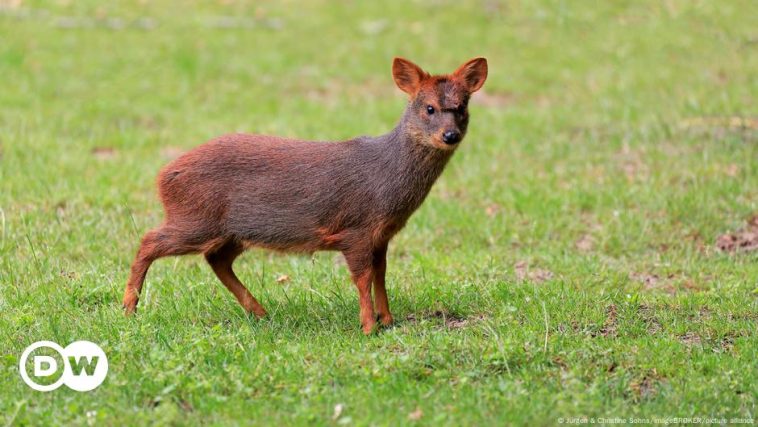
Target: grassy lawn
(565, 264)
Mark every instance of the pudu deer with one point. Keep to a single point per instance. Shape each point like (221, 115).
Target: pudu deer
(239, 191)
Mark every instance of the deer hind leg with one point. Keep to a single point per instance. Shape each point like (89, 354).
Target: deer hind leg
(221, 261)
(157, 243)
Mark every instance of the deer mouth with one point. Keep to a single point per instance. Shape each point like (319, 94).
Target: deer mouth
(439, 142)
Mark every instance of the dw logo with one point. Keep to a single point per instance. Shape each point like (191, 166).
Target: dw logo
(82, 366)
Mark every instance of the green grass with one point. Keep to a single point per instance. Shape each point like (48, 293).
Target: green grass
(582, 166)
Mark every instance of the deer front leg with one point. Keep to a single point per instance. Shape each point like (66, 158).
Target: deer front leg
(379, 263)
(361, 268)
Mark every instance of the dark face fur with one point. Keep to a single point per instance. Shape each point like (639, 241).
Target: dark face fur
(438, 110)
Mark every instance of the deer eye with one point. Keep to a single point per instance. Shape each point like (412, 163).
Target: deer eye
(461, 109)
(429, 110)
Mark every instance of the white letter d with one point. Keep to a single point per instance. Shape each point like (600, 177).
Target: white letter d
(50, 366)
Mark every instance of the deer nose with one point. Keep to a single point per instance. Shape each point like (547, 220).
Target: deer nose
(451, 137)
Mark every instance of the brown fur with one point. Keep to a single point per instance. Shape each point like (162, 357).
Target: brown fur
(240, 190)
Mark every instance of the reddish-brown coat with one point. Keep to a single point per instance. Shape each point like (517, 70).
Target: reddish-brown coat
(240, 190)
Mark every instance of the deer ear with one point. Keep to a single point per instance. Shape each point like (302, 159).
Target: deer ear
(407, 75)
(473, 73)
